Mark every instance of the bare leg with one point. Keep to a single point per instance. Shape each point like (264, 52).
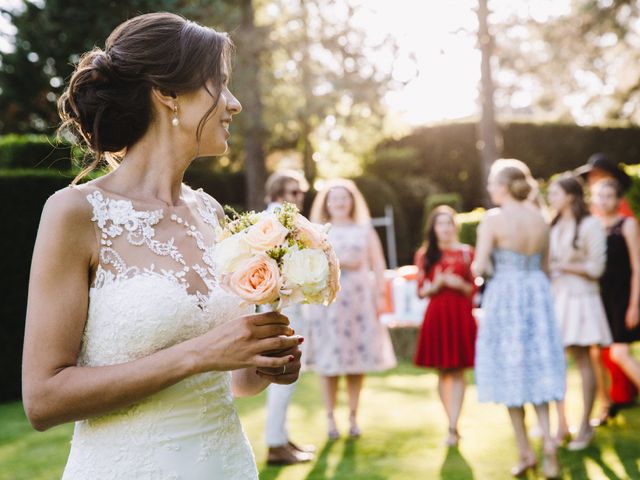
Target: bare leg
(330, 394)
(454, 397)
(621, 354)
(354, 387)
(457, 397)
(583, 361)
(601, 378)
(527, 455)
(551, 469)
(563, 425)
(443, 390)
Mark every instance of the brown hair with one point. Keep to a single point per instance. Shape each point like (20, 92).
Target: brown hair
(359, 213)
(515, 175)
(277, 182)
(432, 252)
(571, 185)
(108, 101)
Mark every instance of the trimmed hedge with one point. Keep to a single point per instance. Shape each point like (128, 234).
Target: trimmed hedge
(37, 151)
(22, 196)
(468, 225)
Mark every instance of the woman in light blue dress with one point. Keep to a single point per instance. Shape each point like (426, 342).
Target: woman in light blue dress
(519, 352)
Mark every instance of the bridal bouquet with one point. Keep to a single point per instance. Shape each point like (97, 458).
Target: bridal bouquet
(278, 258)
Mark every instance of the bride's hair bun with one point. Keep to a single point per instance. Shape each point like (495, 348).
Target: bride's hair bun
(109, 112)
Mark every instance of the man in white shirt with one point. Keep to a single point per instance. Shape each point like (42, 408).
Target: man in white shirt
(284, 186)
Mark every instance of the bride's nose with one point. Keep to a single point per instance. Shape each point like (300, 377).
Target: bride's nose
(233, 104)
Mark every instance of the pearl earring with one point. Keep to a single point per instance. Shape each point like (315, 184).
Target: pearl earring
(175, 121)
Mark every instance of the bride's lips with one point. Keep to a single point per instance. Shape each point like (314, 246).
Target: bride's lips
(225, 125)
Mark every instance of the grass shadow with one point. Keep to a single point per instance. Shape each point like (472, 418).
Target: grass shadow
(455, 466)
(321, 464)
(575, 464)
(629, 457)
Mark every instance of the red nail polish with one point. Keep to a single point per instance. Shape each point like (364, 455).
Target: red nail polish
(291, 358)
(300, 340)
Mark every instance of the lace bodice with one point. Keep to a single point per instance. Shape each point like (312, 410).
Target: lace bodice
(154, 287)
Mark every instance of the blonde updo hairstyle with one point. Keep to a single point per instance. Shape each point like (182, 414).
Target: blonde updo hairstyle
(515, 175)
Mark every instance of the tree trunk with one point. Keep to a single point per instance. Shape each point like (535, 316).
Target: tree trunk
(488, 134)
(308, 162)
(249, 41)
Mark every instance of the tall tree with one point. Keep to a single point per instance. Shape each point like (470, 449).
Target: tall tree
(488, 131)
(250, 41)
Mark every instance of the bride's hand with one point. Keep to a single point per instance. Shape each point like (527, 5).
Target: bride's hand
(286, 374)
(242, 343)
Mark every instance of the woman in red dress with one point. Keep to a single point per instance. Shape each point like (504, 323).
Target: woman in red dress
(448, 334)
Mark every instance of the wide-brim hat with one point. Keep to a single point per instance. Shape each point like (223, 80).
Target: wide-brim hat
(602, 161)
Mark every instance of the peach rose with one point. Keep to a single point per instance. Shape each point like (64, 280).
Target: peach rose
(256, 280)
(312, 235)
(266, 234)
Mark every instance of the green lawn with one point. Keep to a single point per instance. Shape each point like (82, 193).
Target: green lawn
(403, 427)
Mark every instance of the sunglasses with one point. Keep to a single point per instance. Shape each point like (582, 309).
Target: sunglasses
(296, 192)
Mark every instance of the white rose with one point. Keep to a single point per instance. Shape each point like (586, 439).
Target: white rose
(266, 234)
(307, 269)
(230, 252)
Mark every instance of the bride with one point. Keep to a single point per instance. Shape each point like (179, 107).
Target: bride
(128, 333)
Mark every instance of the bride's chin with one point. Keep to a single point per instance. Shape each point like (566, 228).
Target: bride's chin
(214, 150)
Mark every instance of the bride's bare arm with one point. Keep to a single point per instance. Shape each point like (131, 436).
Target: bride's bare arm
(55, 388)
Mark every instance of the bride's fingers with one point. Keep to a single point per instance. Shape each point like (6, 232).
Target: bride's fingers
(261, 361)
(267, 331)
(277, 344)
(279, 379)
(269, 318)
(291, 368)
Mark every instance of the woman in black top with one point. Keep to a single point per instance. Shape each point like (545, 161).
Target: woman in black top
(620, 284)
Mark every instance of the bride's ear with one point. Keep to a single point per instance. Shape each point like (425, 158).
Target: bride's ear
(163, 99)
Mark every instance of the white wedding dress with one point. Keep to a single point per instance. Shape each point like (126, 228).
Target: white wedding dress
(154, 288)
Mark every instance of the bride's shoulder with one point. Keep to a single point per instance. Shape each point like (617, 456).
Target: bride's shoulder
(66, 220)
(206, 201)
(69, 203)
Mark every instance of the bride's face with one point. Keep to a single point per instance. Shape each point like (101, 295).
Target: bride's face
(193, 107)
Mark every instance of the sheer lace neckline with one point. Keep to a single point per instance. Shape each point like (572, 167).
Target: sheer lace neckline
(157, 243)
(188, 197)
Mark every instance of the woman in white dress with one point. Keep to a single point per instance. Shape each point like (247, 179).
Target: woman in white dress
(128, 333)
(578, 247)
